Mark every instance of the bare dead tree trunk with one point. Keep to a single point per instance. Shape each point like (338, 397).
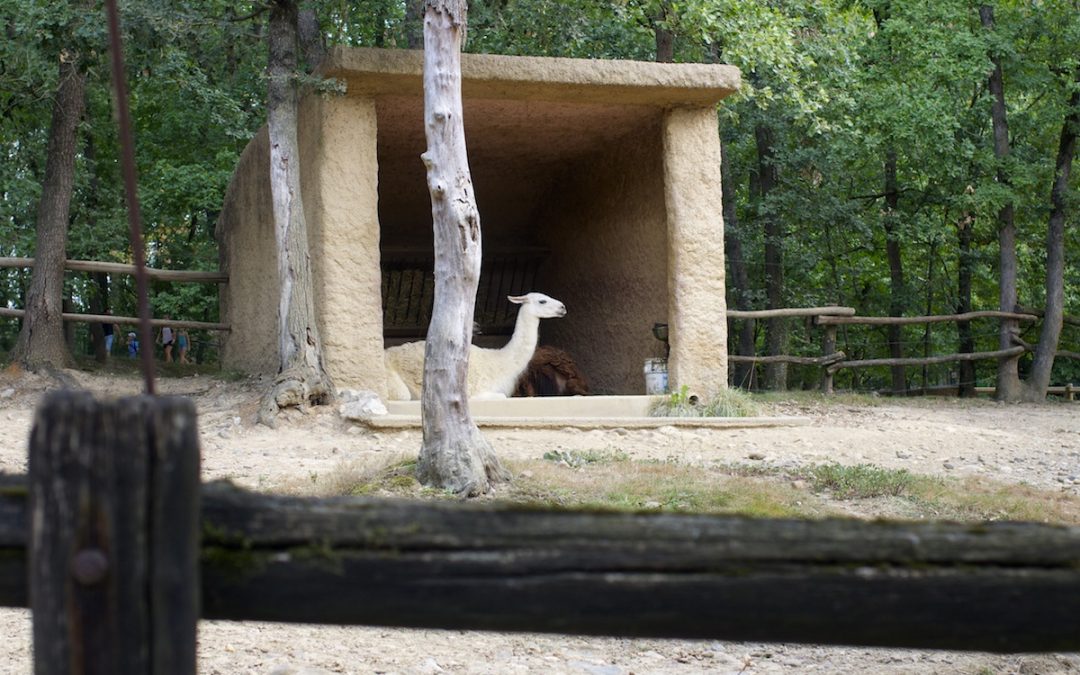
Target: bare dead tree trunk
(896, 270)
(41, 341)
(1039, 379)
(302, 380)
(1008, 374)
(454, 455)
(740, 278)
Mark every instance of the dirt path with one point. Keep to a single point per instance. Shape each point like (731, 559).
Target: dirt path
(1034, 444)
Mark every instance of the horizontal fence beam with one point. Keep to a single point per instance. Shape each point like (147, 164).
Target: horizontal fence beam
(121, 268)
(789, 312)
(929, 360)
(109, 318)
(826, 360)
(1004, 587)
(907, 320)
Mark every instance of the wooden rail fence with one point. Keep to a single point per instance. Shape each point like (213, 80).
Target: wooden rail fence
(118, 550)
(833, 360)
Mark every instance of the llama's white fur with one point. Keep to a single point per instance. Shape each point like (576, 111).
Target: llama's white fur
(493, 373)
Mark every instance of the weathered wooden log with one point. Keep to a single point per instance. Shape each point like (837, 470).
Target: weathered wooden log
(906, 320)
(830, 310)
(121, 268)
(996, 586)
(928, 360)
(113, 532)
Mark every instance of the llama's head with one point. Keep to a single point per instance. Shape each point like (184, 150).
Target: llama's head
(539, 305)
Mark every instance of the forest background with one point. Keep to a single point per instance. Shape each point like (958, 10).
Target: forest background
(861, 168)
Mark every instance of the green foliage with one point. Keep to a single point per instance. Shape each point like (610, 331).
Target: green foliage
(837, 84)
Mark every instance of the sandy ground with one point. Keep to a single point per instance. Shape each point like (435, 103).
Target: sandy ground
(1034, 444)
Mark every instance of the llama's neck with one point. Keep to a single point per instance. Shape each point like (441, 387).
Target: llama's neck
(523, 342)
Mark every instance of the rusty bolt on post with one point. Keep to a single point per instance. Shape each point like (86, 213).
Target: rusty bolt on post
(90, 566)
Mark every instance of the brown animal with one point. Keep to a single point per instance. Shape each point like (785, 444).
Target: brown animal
(551, 372)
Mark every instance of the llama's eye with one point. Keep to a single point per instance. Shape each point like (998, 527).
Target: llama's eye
(543, 302)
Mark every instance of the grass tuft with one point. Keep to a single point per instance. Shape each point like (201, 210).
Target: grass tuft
(728, 403)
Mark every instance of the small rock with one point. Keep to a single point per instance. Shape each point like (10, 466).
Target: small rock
(360, 405)
(224, 433)
(526, 474)
(799, 484)
(755, 456)
(651, 505)
(354, 430)
(7, 393)
(903, 454)
(430, 666)
(948, 465)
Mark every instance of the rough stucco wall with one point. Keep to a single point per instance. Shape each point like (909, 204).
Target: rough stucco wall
(605, 225)
(245, 233)
(340, 184)
(697, 323)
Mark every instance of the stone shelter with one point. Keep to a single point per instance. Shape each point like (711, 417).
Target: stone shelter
(597, 182)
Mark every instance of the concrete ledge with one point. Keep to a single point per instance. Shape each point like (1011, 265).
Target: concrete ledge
(579, 412)
(400, 71)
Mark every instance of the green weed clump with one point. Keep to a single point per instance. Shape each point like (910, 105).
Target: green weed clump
(862, 481)
(728, 403)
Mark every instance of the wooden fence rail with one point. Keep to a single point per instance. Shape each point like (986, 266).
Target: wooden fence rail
(114, 545)
(121, 268)
(833, 360)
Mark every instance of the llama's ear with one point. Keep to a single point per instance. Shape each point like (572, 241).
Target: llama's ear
(517, 299)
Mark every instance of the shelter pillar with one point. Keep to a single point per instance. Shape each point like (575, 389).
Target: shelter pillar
(697, 306)
(340, 186)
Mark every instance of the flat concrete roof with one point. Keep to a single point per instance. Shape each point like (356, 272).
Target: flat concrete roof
(534, 78)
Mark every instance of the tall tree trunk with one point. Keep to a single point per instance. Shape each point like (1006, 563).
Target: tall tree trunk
(1008, 374)
(776, 331)
(665, 37)
(414, 24)
(302, 380)
(312, 40)
(41, 340)
(964, 267)
(454, 455)
(1039, 379)
(897, 293)
(739, 281)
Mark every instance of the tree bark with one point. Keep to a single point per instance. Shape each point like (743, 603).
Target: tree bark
(740, 278)
(312, 41)
(775, 329)
(1008, 375)
(454, 455)
(665, 37)
(41, 340)
(414, 24)
(966, 383)
(302, 379)
(896, 270)
(1039, 379)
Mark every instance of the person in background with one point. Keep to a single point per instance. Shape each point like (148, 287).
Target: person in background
(132, 345)
(166, 337)
(182, 343)
(110, 330)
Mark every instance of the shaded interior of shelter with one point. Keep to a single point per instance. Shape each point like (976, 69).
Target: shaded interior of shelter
(571, 201)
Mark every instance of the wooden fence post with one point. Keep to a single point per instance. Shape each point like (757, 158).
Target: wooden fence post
(828, 346)
(114, 535)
